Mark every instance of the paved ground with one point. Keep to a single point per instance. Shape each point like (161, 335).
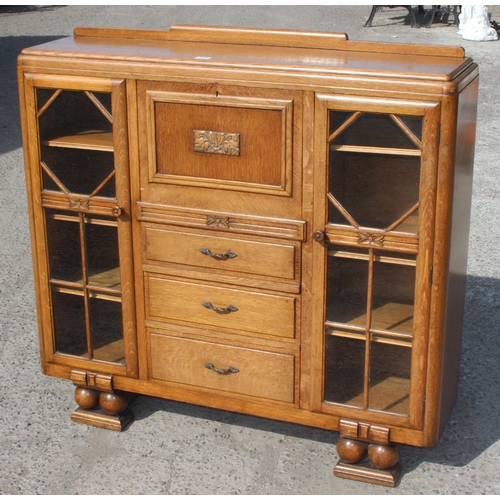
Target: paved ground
(175, 448)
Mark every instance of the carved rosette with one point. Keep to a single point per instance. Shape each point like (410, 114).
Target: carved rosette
(222, 143)
(217, 221)
(376, 240)
(83, 205)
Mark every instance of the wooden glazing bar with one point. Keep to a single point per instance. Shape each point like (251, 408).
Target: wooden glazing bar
(99, 106)
(344, 326)
(342, 210)
(85, 281)
(377, 258)
(396, 342)
(53, 97)
(102, 184)
(345, 125)
(74, 203)
(88, 220)
(67, 289)
(103, 290)
(369, 306)
(106, 282)
(407, 131)
(47, 170)
(376, 150)
(403, 217)
(344, 330)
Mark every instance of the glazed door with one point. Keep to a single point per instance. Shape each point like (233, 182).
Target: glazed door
(80, 190)
(375, 180)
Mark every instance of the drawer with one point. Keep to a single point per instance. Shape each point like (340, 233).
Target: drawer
(242, 371)
(220, 253)
(220, 307)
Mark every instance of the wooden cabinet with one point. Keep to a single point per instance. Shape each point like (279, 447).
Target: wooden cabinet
(267, 222)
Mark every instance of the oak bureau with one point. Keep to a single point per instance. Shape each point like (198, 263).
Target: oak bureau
(264, 221)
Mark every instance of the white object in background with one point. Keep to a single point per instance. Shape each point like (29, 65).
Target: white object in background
(474, 24)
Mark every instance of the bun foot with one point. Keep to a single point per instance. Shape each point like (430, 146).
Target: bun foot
(383, 456)
(368, 462)
(351, 451)
(113, 404)
(86, 398)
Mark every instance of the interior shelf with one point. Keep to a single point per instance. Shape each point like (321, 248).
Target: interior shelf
(377, 258)
(391, 395)
(97, 140)
(375, 150)
(112, 352)
(399, 340)
(392, 318)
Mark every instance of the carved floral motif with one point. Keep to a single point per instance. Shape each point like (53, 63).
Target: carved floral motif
(222, 143)
(79, 204)
(371, 239)
(215, 220)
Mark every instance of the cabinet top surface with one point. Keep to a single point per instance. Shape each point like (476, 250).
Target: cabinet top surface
(259, 50)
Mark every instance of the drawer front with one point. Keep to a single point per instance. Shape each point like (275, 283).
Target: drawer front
(220, 307)
(237, 370)
(221, 254)
(219, 140)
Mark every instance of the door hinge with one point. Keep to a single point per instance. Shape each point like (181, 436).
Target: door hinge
(431, 276)
(439, 134)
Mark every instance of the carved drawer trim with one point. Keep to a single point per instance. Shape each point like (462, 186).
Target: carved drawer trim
(241, 224)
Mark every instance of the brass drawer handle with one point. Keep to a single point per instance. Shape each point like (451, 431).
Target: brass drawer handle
(222, 310)
(228, 371)
(220, 256)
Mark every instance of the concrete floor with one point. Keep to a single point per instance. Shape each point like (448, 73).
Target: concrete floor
(174, 448)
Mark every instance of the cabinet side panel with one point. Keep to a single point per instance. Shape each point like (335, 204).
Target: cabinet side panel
(462, 193)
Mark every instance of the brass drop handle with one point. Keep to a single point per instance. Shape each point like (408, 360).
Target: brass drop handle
(117, 211)
(220, 371)
(222, 310)
(220, 256)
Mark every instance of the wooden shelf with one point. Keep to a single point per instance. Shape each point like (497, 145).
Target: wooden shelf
(96, 140)
(112, 352)
(391, 318)
(374, 150)
(391, 395)
(104, 285)
(344, 254)
(377, 338)
(106, 279)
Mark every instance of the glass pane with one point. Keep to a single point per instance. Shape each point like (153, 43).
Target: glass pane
(63, 239)
(393, 295)
(43, 96)
(72, 112)
(69, 322)
(104, 99)
(344, 371)
(106, 328)
(102, 252)
(79, 170)
(347, 287)
(374, 130)
(376, 190)
(414, 123)
(390, 378)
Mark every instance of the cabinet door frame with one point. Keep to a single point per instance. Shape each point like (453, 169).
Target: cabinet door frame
(116, 88)
(423, 247)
